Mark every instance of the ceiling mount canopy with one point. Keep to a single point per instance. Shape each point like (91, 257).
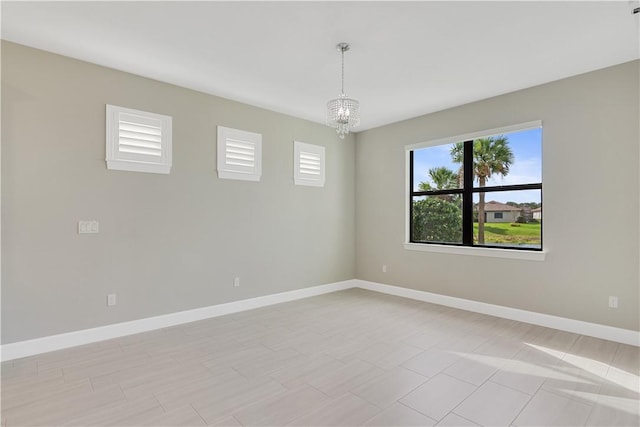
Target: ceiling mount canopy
(343, 113)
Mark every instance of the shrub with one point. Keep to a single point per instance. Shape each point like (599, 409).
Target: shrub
(521, 220)
(436, 220)
(534, 221)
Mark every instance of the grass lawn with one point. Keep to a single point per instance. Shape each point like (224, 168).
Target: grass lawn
(512, 234)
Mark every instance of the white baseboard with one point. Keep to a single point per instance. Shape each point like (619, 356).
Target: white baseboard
(87, 336)
(610, 333)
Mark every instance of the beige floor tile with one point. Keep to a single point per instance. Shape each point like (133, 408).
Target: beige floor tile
(615, 414)
(592, 355)
(453, 420)
(343, 346)
(38, 396)
(121, 413)
(526, 379)
(105, 366)
(527, 371)
(388, 355)
(15, 395)
(428, 339)
(385, 390)
(181, 416)
(56, 410)
(230, 356)
(465, 342)
(492, 405)
(438, 396)
(268, 363)
(400, 415)
(28, 380)
(622, 379)
(78, 357)
(550, 340)
(281, 409)
(347, 410)
(431, 362)
(615, 406)
(513, 329)
(233, 397)
(226, 422)
(293, 375)
(501, 347)
(574, 383)
(175, 377)
(548, 409)
(340, 381)
(627, 359)
(201, 389)
(475, 368)
(21, 369)
(300, 340)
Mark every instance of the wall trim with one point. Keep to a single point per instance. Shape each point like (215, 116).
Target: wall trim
(86, 336)
(624, 336)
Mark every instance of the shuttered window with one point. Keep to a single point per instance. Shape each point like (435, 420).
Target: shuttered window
(138, 141)
(308, 164)
(239, 154)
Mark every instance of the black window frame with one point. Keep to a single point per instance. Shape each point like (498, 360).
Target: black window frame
(495, 215)
(467, 191)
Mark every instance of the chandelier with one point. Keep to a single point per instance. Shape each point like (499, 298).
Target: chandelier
(343, 113)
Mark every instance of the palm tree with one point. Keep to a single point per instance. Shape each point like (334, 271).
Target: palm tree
(491, 155)
(443, 178)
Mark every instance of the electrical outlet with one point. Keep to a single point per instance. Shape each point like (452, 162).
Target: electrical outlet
(111, 300)
(88, 227)
(613, 302)
(236, 282)
(384, 268)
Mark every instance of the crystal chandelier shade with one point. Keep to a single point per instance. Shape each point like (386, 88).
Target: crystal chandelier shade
(343, 113)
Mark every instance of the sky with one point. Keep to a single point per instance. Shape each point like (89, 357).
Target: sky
(526, 168)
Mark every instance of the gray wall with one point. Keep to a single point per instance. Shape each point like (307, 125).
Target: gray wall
(175, 242)
(167, 242)
(590, 182)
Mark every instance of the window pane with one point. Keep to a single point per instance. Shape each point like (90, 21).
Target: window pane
(437, 218)
(508, 159)
(511, 219)
(434, 168)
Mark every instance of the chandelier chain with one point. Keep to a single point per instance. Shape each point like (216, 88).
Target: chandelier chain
(342, 70)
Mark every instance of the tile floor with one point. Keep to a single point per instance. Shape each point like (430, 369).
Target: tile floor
(348, 358)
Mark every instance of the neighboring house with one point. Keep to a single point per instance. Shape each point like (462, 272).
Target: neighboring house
(500, 212)
(537, 213)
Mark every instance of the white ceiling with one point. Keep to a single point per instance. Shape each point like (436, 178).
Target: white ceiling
(407, 58)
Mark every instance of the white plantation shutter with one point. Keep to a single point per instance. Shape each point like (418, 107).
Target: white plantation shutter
(239, 154)
(138, 141)
(308, 164)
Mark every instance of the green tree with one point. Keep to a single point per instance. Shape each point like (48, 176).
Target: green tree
(491, 155)
(436, 220)
(442, 177)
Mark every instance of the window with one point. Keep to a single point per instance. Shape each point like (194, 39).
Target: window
(308, 164)
(138, 141)
(239, 154)
(478, 190)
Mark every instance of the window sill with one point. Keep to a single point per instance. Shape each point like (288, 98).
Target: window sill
(132, 166)
(475, 251)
